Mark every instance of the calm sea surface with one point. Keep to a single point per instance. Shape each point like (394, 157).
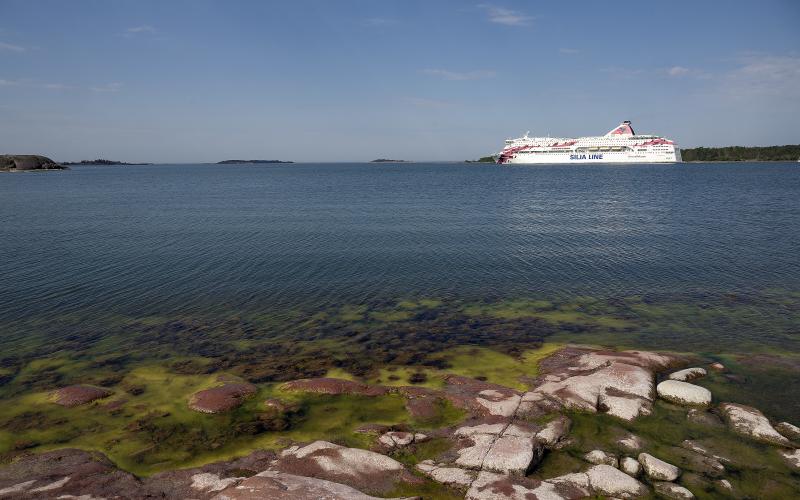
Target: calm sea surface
(192, 239)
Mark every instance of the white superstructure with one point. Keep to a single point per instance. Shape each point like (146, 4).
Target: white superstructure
(620, 145)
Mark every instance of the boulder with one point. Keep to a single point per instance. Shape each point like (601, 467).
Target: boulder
(703, 417)
(788, 431)
(719, 367)
(606, 480)
(687, 374)
(76, 395)
(630, 443)
(283, 486)
(334, 386)
(748, 421)
(792, 458)
(672, 490)
(630, 466)
(683, 393)
(220, 399)
(657, 469)
(19, 163)
(362, 469)
(600, 457)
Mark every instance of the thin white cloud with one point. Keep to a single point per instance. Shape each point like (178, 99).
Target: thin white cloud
(568, 51)
(55, 86)
(109, 87)
(421, 102)
(765, 76)
(459, 76)
(146, 28)
(8, 83)
(11, 47)
(677, 71)
(508, 17)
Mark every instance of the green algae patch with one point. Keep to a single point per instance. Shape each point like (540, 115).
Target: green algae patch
(496, 367)
(396, 376)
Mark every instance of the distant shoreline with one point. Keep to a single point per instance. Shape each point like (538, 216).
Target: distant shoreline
(249, 162)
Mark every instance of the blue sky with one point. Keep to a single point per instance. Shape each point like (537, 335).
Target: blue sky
(201, 80)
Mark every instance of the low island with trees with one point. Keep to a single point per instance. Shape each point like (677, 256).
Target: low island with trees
(102, 161)
(742, 153)
(249, 162)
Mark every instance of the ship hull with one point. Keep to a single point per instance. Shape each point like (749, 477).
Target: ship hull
(569, 157)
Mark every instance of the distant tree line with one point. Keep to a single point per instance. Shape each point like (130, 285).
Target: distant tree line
(741, 153)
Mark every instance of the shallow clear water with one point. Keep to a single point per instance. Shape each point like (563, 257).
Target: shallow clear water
(215, 240)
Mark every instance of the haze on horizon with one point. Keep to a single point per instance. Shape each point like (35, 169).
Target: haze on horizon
(354, 80)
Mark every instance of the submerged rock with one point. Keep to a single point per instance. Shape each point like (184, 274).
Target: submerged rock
(688, 374)
(683, 393)
(792, 458)
(703, 417)
(334, 386)
(750, 422)
(223, 398)
(606, 480)
(76, 395)
(672, 490)
(630, 443)
(788, 430)
(658, 469)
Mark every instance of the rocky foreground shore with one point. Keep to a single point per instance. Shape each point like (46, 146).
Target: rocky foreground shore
(497, 452)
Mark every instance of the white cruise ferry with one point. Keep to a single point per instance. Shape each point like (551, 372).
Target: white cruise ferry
(620, 145)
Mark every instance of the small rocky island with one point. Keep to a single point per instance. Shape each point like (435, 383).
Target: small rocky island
(387, 160)
(240, 162)
(23, 163)
(101, 161)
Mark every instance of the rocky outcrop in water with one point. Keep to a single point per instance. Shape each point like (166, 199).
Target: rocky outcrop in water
(76, 395)
(750, 422)
(223, 398)
(20, 163)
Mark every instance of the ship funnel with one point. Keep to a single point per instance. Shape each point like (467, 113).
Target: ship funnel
(623, 128)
